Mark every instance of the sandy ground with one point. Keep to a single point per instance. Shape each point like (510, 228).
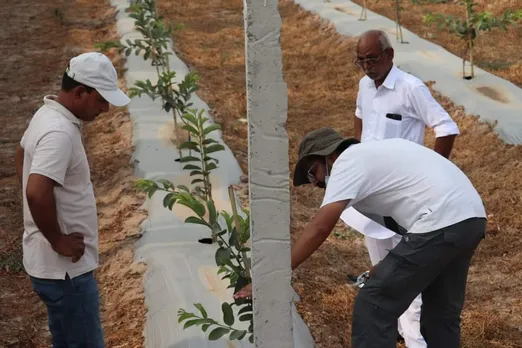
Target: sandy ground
(322, 87)
(496, 51)
(38, 39)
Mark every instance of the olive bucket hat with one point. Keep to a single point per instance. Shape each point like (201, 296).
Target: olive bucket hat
(320, 142)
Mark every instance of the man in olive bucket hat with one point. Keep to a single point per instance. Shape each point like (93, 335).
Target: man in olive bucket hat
(426, 194)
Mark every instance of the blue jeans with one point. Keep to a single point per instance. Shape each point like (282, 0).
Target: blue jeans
(73, 307)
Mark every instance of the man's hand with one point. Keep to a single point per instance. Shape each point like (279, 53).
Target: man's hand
(244, 293)
(19, 164)
(70, 246)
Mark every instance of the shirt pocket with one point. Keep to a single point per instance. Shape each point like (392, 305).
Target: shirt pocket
(392, 127)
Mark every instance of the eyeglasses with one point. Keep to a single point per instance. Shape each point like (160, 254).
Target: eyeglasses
(370, 61)
(310, 176)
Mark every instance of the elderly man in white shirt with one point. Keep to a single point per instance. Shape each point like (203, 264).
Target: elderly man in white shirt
(394, 104)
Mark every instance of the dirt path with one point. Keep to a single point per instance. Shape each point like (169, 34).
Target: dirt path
(322, 86)
(39, 38)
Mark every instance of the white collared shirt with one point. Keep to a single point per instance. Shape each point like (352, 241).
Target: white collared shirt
(53, 147)
(404, 94)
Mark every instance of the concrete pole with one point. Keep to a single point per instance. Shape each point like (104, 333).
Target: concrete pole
(267, 105)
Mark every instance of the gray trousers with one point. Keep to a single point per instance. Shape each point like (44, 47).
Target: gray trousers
(435, 264)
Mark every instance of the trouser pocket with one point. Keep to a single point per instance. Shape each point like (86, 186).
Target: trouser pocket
(50, 291)
(466, 234)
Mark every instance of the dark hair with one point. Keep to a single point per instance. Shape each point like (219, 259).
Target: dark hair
(68, 84)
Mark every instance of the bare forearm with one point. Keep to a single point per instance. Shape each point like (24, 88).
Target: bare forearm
(19, 163)
(43, 211)
(444, 145)
(306, 245)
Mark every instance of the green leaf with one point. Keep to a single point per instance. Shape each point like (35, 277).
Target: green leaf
(212, 213)
(209, 141)
(228, 314)
(195, 220)
(217, 333)
(199, 208)
(185, 159)
(245, 309)
(201, 309)
(184, 316)
(251, 339)
(233, 240)
(211, 128)
(191, 167)
(167, 185)
(222, 256)
(237, 335)
(203, 119)
(183, 188)
(191, 129)
(211, 166)
(196, 172)
(193, 322)
(147, 186)
(246, 317)
(214, 148)
(228, 219)
(205, 327)
(196, 181)
(191, 118)
(187, 200)
(169, 200)
(189, 145)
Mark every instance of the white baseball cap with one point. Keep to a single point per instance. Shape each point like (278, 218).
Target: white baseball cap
(95, 70)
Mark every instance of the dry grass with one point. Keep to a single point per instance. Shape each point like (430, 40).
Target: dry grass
(39, 38)
(322, 86)
(496, 51)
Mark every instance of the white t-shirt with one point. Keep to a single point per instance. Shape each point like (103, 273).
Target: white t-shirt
(416, 186)
(53, 147)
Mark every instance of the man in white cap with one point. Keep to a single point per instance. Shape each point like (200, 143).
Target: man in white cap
(60, 241)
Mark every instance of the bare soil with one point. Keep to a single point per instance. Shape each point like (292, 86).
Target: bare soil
(495, 51)
(322, 87)
(38, 38)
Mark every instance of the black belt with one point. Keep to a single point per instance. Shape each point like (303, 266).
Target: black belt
(394, 226)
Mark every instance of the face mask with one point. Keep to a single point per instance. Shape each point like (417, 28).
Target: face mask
(327, 176)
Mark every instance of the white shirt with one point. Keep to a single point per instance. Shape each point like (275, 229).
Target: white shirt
(404, 94)
(53, 147)
(417, 187)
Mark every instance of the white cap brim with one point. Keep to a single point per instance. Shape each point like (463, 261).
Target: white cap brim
(115, 97)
